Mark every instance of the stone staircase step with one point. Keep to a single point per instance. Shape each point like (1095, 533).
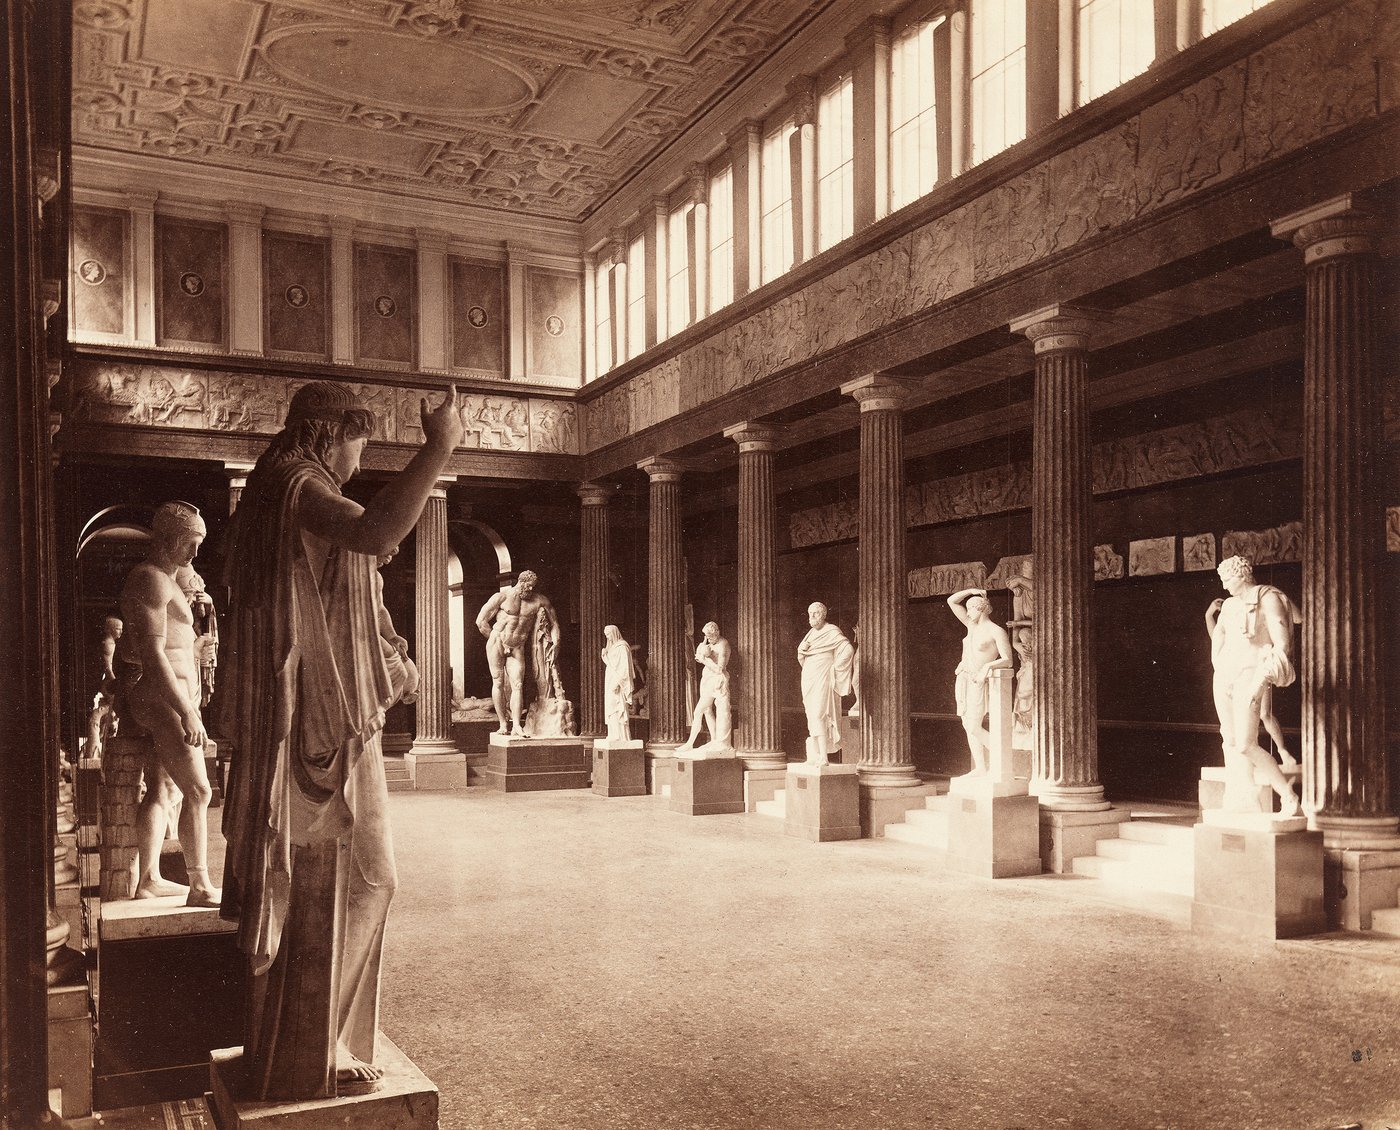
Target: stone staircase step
(776, 807)
(1148, 854)
(1157, 832)
(396, 775)
(1386, 921)
(925, 835)
(1131, 873)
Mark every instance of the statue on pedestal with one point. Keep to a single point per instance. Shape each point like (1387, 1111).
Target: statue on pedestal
(522, 629)
(403, 672)
(854, 711)
(619, 678)
(160, 693)
(206, 629)
(712, 708)
(828, 660)
(102, 716)
(985, 648)
(309, 872)
(1251, 649)
(1023, 707)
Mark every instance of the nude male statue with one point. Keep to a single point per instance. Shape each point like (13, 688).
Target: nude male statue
(985, 648)
(164, 700)
(712, 710)
(508, 621)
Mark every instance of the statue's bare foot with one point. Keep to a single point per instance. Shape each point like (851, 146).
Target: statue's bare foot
(204, 896)
(354, 1076)
(158, 889)
(501, 729)
(1288, 805)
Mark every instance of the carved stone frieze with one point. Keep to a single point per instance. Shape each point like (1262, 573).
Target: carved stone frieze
(553, 427)
(940, 580)
(1108, 564)
(497, 423)
(1149, 557)
(1197, 553)
(1265, 547)
(1392, 529)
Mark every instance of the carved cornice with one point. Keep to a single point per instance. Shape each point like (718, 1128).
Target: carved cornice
(1058, 328)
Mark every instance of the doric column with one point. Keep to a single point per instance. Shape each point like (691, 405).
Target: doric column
(1344, 755)
(803, 167)
(885, 759)
(594, 611)
(759, 714)
(342, 290)
(698, 234)
(666, 651)
(433, 645)
(432, 301)
(1066, 700)
(143, 247)
(237, 479)
(869, 49)
(245, 277)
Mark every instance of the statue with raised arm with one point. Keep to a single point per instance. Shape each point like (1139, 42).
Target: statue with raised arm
(985, 648)
(520, 626)
(828, 661)
(309, 872)
(161, 694)
(619, 680)
(1251, 649)
(712, 707)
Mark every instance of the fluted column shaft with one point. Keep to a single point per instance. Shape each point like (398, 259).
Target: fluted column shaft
(1066, 691)
(885, 759)
(594, 612)
(433, 645)
(759, 712)
(666, 651)
(1345, 785)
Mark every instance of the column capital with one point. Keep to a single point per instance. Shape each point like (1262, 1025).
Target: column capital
(595, 494)
(803, 92)
(341, 227)
(1059, 326)
(876, 392)
(242, 213)
(237, 467)
(617, 248)
(430, 241)
(752, 436)
(698, 183)
(1339, 226)
(873, 32)
(144, 202)
(662, 470)
(661, 205)
(750, 129)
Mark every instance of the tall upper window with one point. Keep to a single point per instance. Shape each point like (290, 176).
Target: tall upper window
(602, 324)
(835, 164)
(721, 238)
(998, 76)
(775, 194)
(678, 268)
(1216, 14)
(1117, 41)
(913, 114)
(636, 297)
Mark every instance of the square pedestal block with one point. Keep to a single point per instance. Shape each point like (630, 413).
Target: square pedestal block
(822, 803)
(70, 1049)
(436, 771)
(526, 765)
(1065, 835)
(1258, 884)
(1357, 882)
(406, 1099)
(991, 835)
(661, 768)
(710, 786)
(619, 768)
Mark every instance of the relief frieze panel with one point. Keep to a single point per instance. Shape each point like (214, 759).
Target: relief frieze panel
(940, 580)
(1265, 547)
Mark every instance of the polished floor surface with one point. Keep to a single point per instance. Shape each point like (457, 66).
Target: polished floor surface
(560, 960)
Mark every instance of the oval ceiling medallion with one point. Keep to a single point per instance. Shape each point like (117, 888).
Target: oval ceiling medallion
(382, 69)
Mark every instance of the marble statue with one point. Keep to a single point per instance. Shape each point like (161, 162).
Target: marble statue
(102, 716)
(206, 629)
(854, 711)
(521, 630)
(712, 708)
(403, 672)
(828, 660)
(1267, 718)
(985, 648)
(107, 649)
(309, 871)
(1023, 704)
(1251, 649)
(161, 694)
(619, 679)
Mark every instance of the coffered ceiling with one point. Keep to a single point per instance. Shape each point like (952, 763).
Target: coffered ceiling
(535, 106)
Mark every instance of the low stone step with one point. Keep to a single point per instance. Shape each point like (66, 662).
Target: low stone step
(777, 806)
(1156, 832)
(1149, 855)
(928, 817)
(1132, 873)
(930, 835)
(1386, 921)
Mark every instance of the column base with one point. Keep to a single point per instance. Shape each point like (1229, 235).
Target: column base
(760, 785)
(886, 804)
(1357, 833)
(764, 760)
(992, 835)
(1064, 835)
(1070, 798)
(707, 786)
(887, 776)
(433, 747)
(406, 1099)
(1356, 883)
(434, 768)
(619, 768)
(1258, 884)
(524, 765)
(822, 803)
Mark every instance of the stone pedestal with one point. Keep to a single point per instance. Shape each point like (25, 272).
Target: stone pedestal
(1258, 884)
(70, 1049)
(523, 765)
(992, 833)
(406, 1099)
(432, 771)
(710, 786)
(1357, 883)
(823, 802)
(889, 805)
(619, 768)
(1067, 834)
(661, 770)
(122, 763)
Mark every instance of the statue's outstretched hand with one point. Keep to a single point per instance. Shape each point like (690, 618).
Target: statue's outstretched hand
(442, 426)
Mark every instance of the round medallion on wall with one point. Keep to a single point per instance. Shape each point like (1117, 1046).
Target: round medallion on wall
(192, 284)
(385, 306)
(296, 296)
(554, 325)
(92, 272)
(476, 317)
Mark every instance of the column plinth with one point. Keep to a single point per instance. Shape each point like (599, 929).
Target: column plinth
(433, 723)
(1066, 765)
(666, 650)
(594, 610)
(1345, 778)
(759, 712)
(885, 760)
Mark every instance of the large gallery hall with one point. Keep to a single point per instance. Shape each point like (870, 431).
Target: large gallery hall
(756, 564)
